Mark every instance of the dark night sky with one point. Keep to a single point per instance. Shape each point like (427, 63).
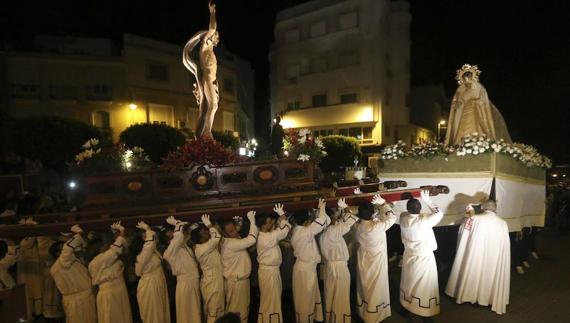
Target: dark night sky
(523, 47)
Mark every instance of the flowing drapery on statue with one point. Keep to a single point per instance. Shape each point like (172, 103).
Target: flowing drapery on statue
(206, 86)
(472, 111)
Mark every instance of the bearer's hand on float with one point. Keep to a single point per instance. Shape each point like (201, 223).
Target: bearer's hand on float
(117, 228)
(378, 200)
(425, 197)
(341, 203)
(171, 220)
(142, 225)
(206, 220)
(322, 204)
(251, 216)
(278, 208)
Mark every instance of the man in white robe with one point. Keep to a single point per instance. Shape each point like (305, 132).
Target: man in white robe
(184, 266)
(336, 273)
(212, 281)
(30, 272)
(237, 266)
(481, 271)
(73, 281)
(306, 294)
(269, 259)
(152, 294)
(51, 298)
(7, 261)
(106, 271)
(419, 289)
(372, 292)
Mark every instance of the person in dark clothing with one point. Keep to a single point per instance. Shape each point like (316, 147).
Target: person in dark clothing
(277, 135)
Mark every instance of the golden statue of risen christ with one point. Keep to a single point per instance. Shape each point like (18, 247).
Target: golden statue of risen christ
(206, 86)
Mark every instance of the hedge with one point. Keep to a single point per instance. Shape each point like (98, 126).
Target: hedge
(341, 151)
(156, 139)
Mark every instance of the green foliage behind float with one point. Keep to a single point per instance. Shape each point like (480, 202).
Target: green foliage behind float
(226, 139)
(53, 140)
(340, 152)
(156, 139)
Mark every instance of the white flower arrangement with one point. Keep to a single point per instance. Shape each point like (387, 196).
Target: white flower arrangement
(471, 145)
(395, 151)
(91, 149)
(303, 157)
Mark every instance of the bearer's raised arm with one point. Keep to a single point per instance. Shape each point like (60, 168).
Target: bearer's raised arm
(383, 223)
(436, 216)
(322, 220)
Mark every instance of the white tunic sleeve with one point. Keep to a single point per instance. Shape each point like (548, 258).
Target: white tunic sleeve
(435, 217)
(241, 244)
(11, 257)
(174, 246)
(67, 256)
(146, 253)
(105, 259)
(281, 231)
(320, 223)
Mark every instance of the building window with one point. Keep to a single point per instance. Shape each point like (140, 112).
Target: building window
(318, 29)
(292, 35)
(322, 132)
(228, 121)
(386, 130)
(157, 72)
(348, 98)
(101, 119)
(99, 92)
(292, 71)
(366, 132)
(319, 100)
(362, 134)
(228, 86)
(62, 92)
(27, 91)
(293, 105)
(348, 20)
(343, 132)
(349, 59)
(319, 64)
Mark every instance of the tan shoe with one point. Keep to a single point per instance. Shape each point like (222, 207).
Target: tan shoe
(534, 255)
(520, 270)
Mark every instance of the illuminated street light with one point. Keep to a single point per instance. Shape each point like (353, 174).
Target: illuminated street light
(72, 185)
(132, 106)
(440, 125)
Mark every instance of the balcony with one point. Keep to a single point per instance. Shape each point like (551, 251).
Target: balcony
(329, 115)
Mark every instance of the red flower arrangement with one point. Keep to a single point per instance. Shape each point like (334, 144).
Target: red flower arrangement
(201, 151)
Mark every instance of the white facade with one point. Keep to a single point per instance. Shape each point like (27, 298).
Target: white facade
(343, 67)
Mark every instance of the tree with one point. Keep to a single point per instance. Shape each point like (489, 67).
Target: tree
(341, 151)
(157, 140)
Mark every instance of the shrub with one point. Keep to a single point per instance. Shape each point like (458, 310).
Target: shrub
(226, 139)
(52, 140)
(201, 151)
(157, 140)
(341, 151)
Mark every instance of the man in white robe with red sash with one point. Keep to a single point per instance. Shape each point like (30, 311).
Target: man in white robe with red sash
(419, 289)
(481, 271)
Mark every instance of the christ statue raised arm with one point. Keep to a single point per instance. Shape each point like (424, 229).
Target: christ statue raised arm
(206, 86)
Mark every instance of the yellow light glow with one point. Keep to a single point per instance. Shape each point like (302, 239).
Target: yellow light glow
(442, 122)
(132, 106)
(287, 123)
(366, 114)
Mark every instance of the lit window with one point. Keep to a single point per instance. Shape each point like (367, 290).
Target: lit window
(343, 132)
(355, 132)
(367, 132)
(293, 105)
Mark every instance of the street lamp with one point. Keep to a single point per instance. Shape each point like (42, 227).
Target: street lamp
(132, 106)
(440, 125)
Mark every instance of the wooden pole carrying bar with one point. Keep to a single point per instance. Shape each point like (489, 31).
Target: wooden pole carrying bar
(55, 228)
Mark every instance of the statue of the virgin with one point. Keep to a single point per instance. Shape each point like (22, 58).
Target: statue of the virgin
(472, 111)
